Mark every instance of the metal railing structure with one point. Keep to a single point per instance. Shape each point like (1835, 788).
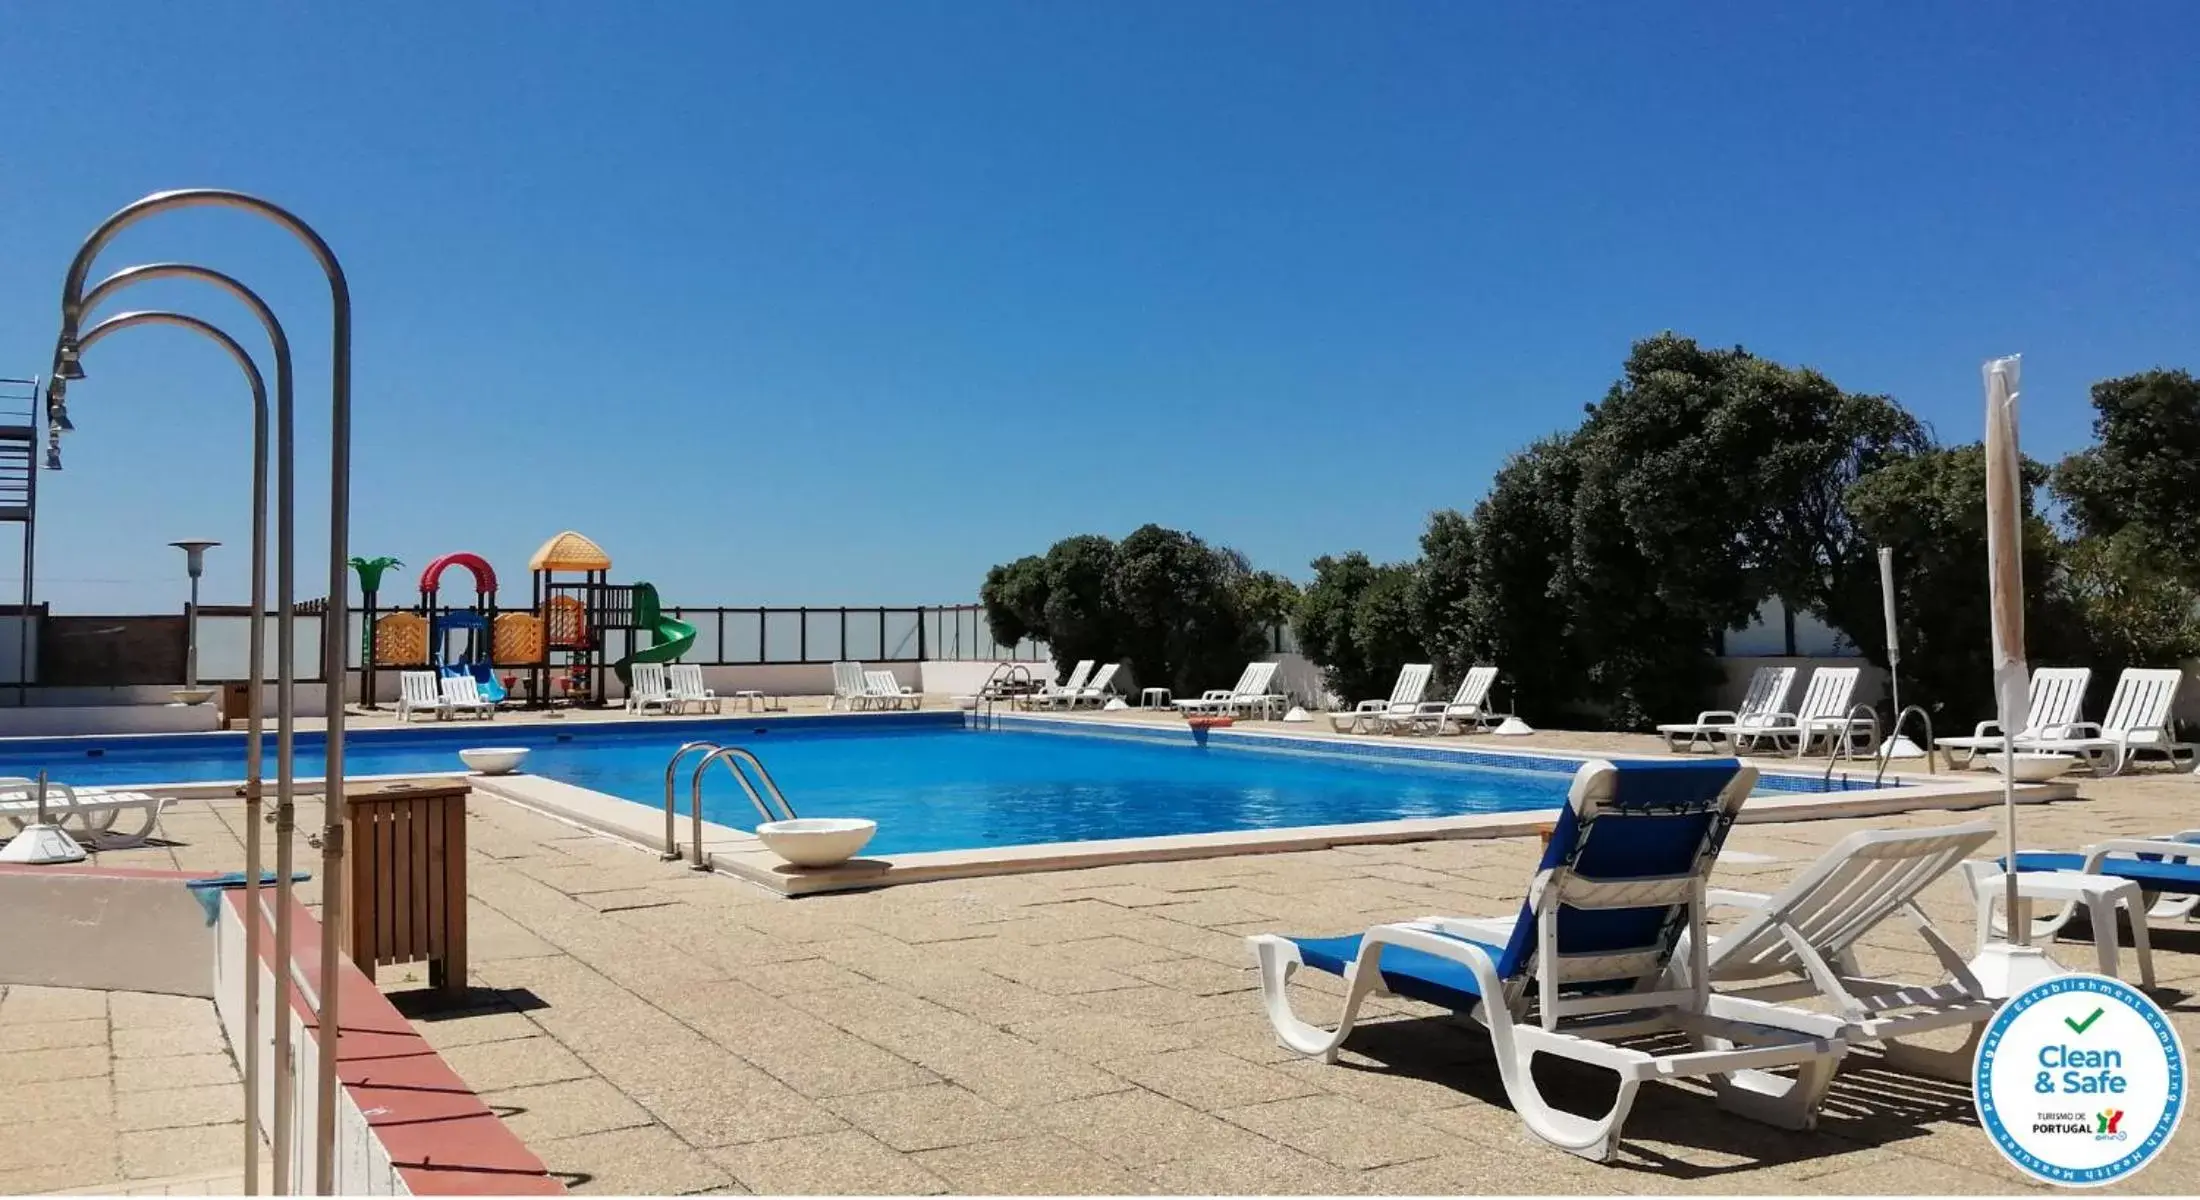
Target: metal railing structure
(739, 762)
(1894, 736)
(1844, 745)
(994, 690)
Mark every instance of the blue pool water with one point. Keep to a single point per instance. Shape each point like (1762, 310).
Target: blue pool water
(930, 783)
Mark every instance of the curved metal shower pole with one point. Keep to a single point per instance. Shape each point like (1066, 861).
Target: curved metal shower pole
(286, 704)
(333, 655)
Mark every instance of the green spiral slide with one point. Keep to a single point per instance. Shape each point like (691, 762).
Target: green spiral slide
(668, 638)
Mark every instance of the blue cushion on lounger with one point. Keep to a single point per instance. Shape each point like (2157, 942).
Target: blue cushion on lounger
(1415, 974)
(2147, 872)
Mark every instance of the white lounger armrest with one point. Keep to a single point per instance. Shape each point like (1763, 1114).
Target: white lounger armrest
(1987, 729)
(1718, 716)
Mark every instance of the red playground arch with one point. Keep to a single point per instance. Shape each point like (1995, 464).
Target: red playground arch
(431, 576)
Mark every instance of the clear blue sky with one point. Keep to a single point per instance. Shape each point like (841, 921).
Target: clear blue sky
(802, 303)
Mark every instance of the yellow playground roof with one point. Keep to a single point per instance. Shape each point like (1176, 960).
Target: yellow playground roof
(569, 551)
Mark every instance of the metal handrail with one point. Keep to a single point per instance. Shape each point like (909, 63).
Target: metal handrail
(1886, 749)
(1841, 747)
(672, 839)
(987, 698)
(733, 757)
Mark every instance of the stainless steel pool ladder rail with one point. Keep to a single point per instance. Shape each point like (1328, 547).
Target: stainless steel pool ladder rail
(1886, 748)
(733, 757)
(988, 697)
(1844, 745)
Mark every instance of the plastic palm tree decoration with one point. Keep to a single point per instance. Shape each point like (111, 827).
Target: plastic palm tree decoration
(371, 571)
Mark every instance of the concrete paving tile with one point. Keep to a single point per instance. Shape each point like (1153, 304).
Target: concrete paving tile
(1209, 1080)
(44, 1143)
(1380, 1085)
(152, 1153)
(1470, 1169)
(798, 975)
(449, 1030)
(1096, 1038)
(26, 1005)
(1006, 1069)
(145, 1010)
(1115, 951)
(1138, 1127)
(982, 995)
(728, 1103)
(45, 1066)
(494, 1066)
(1060, 974)
(928, 1118)
(548, 1111)
(180, 1107)
(53, 1035)
(90, 1096)
(1244, 1035)
(1339, 1130)
(95, 1168)
(848, 1163)
(647, 1161)
(1034, 1166)
(1160, 1005)
(174, 1040)
(1130, 895)
(1256, 1169)
(818, 1059)
(1197, 976)
(1907, 1175)
(182, 1070)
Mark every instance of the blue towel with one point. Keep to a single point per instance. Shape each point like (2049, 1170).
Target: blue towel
(208, 891)
(2149, 872)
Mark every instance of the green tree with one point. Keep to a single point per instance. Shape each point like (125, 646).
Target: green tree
(1079, 613)
(1326, 623)
(2134, 609)
(1932, 509)
(2144, 471)
(1015, 598)
(1183, 623)
(1443, 594)
(1520, 607)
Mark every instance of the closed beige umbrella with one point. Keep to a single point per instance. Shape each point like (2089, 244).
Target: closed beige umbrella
(2008, 968)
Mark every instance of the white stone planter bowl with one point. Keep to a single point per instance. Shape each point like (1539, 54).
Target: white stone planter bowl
(817, 841)
(2034, 768)
(494, 760)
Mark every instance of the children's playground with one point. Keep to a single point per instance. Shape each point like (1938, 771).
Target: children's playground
(554, 652)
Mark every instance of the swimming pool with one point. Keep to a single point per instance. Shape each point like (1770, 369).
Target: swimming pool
(929, 782)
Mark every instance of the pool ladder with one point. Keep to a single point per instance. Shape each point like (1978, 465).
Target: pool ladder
(735, 759)
(981, 713)
(1882, 747)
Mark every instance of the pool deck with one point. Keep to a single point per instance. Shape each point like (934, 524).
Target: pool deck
(648, 1029)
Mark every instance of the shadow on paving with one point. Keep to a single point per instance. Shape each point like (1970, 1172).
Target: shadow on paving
(1870, 1105)
(428, 1004)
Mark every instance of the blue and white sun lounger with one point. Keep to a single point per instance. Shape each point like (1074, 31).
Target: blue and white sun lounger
(1584, 964)
(2167, 870)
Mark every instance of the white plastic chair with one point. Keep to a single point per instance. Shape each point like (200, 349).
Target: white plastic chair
(418, 692)
(1405, 699)
(685, 681)
(849, 691)
(1470, 703)
(1768, 692)
(2055, 702)
(885, 691)
(2138, 722)
(1824, 713)
(1626, 864)
(462, 695)
(646, 689)
(1065, 692)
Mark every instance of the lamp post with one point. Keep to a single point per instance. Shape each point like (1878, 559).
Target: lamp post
(194, 562)
(66, 349)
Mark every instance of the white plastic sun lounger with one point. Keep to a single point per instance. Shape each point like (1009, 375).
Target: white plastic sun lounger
(418, 692)
(685, 680)
(1250, 693)
(2056, 702)
(849, 691)
(1063, 692)
(462, 695)
(1101, 687)
(1768, 691)
(1470, 703)
(885, 691)
(1626, 865)
(1824, 713)
(2138, 722)
(1801, 941)
(89, 813)
(1405, 699)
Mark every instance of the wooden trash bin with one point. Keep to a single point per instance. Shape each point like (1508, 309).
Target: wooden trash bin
(405, 880)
